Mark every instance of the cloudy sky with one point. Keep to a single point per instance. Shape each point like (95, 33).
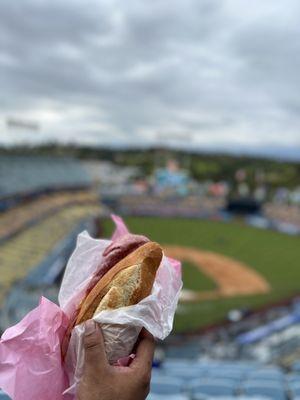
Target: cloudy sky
(207, 74)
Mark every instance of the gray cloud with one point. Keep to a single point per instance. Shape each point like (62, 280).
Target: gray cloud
(133, 72)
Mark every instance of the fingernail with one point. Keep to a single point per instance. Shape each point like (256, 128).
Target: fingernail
(89, 327)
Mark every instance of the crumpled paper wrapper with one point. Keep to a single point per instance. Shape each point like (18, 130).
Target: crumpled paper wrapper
(30, 357)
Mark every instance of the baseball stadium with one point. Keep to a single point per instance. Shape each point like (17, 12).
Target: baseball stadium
(239, 308)
(149, 200)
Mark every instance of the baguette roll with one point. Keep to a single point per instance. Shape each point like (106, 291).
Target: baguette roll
(125, 284)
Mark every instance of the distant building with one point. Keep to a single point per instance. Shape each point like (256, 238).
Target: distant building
(171, 180)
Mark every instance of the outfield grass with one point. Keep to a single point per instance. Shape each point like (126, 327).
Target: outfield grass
(276, 256)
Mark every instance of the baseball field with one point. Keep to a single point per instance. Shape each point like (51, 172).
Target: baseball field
(225, 265)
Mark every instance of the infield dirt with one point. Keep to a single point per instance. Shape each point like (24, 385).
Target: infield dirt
(232, 277)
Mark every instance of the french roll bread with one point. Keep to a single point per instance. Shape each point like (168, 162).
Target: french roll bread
(125, 284)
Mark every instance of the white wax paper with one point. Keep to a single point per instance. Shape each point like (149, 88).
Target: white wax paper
(120, 327)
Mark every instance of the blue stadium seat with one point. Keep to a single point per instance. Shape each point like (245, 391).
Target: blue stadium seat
(261, 382)
(201, 397)
(294, 388)
(212, 387)
(274, 390)
(167, 397)
(229, 376)
(185, 373)
(296, 366)
(234, 375)
(265, 374)
(244, 366)
(157, 371)
(172, 363)
(166, 385)
(262, 378)
(186, 369)
(293, 377)
(159, 374)
(233, 368)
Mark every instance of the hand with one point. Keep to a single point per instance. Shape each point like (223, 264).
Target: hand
(102, 381)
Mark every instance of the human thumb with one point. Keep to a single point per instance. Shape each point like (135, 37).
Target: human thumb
(93, 343)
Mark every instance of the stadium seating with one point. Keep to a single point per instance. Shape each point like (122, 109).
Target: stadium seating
(23, 174)
(180, 206)
(266, 374)
(287, 213)
(292, 377)
(167, 397)
(227, 373)
(182, 369)
(231, 398)
(229, 370)
(222, 380)
(296, 366)
(212, 387)
(24, 215)
(294, 389)
(28, 249)
(186, 374)
(273, 390)
(166, 385)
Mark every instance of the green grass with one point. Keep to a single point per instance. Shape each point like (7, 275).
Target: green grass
(194, 279)
(276, 256)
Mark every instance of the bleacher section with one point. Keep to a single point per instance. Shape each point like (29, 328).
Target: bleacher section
(200, 380)
(44, 203)
(29, 174)
(285, 213)
(27, 249)
(24, 215)
(147, 205)
(181, 379)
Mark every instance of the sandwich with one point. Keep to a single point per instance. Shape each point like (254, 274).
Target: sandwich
(125, 276)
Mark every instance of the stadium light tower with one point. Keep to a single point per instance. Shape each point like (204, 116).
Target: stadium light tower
(20, 129)
(17, 123)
